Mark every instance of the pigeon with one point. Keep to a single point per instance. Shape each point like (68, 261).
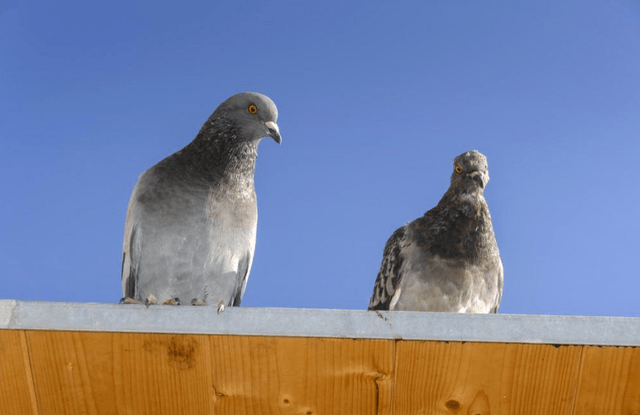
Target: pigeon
(448, 259)
(190, 230)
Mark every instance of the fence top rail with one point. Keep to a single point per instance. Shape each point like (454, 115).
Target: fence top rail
(292, 322)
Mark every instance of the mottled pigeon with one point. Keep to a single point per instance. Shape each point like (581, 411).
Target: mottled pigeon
(448, 259)
(190, 231)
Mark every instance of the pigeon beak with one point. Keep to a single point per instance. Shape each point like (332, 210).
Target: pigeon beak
(478, 177)
(274, 131)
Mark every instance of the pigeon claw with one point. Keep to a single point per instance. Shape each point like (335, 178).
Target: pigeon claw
(128, 300)
(221, 306)
(150, 300)
(195, 301)
(172, 301)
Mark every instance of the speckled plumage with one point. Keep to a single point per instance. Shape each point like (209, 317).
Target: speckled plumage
(448, 259)
(191, 223)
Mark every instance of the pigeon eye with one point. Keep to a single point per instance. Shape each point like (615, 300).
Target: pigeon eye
(252, 109)
(458, 169)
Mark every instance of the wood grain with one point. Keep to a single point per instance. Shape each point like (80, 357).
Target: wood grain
(485, 378)
(307, 376)
(58, 372)
(609, 382)
(116, 373)
(17, 394)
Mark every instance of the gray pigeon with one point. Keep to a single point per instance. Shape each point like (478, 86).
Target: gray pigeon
(190, 231)
(448, 259)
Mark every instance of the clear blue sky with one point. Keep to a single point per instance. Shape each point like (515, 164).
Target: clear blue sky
(375, 101)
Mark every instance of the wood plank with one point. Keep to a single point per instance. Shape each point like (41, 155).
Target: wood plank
(16, 394)
(484, 378)
(116, 373)
(307, 376)
(609, 382)
(138, 373)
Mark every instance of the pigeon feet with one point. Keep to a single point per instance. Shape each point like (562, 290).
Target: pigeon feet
(172, 301)
(195, 301)
(150, 300)
(128, 300)
(220, 306)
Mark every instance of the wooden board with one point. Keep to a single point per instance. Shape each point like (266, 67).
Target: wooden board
(102, 373)
(610, 381)
(123, 373)
(71, 372)
(485, 378)
(280, 375)
(16, 392)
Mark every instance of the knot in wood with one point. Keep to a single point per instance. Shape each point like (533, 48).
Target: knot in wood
(452, 405)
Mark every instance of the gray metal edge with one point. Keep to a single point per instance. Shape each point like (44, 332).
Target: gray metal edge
(354, 324)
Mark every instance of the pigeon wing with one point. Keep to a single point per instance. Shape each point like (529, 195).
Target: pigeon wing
(389, 277)
(130, 253)
(244, 267)
(494, 310)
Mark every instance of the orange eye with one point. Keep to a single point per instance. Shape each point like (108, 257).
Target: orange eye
(252, 109)
(458, 169)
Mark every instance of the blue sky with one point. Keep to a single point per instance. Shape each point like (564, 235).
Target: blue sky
(375, 101)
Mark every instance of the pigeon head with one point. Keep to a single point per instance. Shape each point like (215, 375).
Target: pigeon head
(470, 172)
(254, 114)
